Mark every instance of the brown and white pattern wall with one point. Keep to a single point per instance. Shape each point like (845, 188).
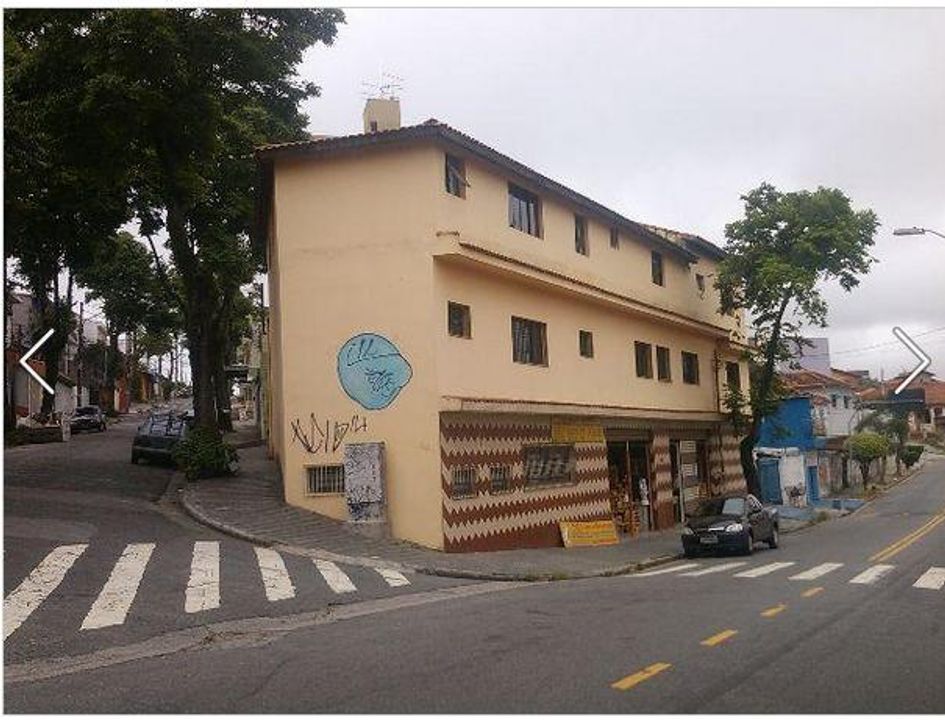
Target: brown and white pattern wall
(518, 516)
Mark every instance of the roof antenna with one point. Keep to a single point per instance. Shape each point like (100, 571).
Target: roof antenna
(388, 87)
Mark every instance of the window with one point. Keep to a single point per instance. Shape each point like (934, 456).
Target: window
(733, 376)
(586, 343)
(690, 368)
(500, 479)
(615, 238)
(643, 353)
(463, 482)
(458, 320)
(700, 284)
(326, 479)
(846, 402)
(834, 399)
(662, 364)
(455, 176)
(656, 267)
(549, 465)
(524, 211)
(529, 342)
(580, 235)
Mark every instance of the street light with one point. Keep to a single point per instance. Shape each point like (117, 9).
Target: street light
(916, 231)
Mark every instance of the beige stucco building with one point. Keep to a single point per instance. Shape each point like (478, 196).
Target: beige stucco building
(524, 354)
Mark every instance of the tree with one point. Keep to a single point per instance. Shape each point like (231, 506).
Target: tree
(777, 255)
(891, 424)
(865, 447)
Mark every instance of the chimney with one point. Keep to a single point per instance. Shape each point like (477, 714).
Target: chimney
(381, 114)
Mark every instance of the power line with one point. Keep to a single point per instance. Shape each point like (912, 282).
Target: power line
(877, 346)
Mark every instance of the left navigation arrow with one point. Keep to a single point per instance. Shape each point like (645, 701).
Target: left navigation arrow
(31, 371)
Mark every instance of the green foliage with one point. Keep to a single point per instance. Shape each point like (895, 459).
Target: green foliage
(865, 447)
(203, 454)
(911, 454)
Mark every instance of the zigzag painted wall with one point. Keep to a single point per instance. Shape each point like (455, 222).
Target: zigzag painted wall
(517, 517)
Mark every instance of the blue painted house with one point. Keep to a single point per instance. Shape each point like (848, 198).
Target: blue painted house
(789, 453)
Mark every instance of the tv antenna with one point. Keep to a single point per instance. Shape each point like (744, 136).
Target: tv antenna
(389, 86)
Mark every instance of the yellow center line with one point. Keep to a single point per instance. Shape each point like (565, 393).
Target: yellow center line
(812, 591)
(772, 611)
(719, 638)
(904, 542)
(638, 677)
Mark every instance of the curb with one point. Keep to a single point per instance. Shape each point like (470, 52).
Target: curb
(196, 512)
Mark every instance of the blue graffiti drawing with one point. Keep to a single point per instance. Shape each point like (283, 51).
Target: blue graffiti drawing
(372, 371)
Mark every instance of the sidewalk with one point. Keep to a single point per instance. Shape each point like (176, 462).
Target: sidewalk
(249, 506)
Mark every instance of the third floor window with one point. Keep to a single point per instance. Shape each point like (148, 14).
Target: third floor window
(580, 235)
(455, 176)
(656, 267)
(524, 211)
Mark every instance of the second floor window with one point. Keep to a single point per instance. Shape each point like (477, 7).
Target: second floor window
(524, 211)
(615, 238)
(643, 354)
(656, 267)
(690, 368)
(455, 176)
(586, 343)
(700, 284)
(580, 235)
(733, 376)
(662, 364)
(458, 320)
(529, 342)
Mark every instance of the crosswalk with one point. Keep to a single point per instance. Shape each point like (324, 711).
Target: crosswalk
(114, 601)
(931, 579)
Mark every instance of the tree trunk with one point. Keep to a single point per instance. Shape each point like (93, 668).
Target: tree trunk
(111, 368)
(222, 387)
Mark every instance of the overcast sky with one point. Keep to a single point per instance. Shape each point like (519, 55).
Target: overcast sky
(669, 115)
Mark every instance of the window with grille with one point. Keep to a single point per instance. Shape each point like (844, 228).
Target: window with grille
(690, 368)
(643, 353)
(500, 479)
(524, 211)
(529, 342)
(455, 176)
(580, 235)
(662, 364)
(586, 343)
(733, 376)
(656, 266)
(326, 479)
(463, 482)
(615, 238)
(458, 320)
(549, 465)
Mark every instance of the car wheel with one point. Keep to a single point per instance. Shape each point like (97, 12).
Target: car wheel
(689, 553)
(749, 544)
(773, 540)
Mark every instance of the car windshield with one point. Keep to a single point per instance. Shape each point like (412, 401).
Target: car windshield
(86, 411)
(721, 506)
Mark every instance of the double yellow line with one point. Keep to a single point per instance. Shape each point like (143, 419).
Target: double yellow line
(912, 537)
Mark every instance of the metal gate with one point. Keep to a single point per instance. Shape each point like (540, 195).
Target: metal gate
(769, 476)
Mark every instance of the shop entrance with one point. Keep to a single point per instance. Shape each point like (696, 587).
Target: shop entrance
(631, 489)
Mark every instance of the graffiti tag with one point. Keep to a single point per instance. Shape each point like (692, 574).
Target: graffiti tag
(372, 371)
(328, 435)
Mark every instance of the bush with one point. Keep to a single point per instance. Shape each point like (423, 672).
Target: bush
(911, 454)
(204, 454)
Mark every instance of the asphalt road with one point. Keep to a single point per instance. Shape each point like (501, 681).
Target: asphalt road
(826, 629)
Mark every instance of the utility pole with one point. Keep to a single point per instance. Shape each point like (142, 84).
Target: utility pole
(78, 364)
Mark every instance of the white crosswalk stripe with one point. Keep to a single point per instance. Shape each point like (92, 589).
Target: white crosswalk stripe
(392, 577)
(664, 571)
(932, 579)
(714, 569)
(764, 569)
(275, 577)
(817, 571)
(45, 577)
(336, 579)
(203, 587)
(872, 574)
(112, 604)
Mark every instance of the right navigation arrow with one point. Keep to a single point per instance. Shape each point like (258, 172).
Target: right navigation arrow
(924, 360)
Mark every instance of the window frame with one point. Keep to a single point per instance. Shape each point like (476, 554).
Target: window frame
(467, 320)
(667, 355)
(455, 169)
(615, 238)
(581, 242)
(542, 341)
(311, 482)
(588, 336)
(657, 268)
(507, 469)
(474, 473)
(533, 224)
(695, 364)
(700, 284)
(569, 477)
(646, 370)
(728, 375)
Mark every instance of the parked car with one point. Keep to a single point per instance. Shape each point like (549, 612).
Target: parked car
(89, 417)
(157, 437)
(730, 523)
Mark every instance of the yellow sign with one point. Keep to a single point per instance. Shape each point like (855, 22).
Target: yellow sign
(576, 433)
(588, 533)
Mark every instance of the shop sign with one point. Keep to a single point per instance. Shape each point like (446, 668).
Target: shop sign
(576, 433)
(588, 533)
